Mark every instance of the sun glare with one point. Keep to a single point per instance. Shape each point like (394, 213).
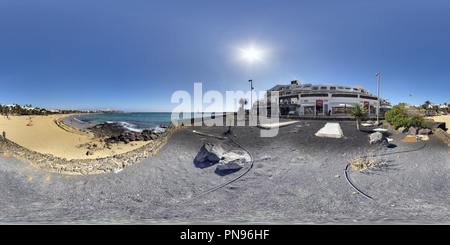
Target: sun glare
(251, 54)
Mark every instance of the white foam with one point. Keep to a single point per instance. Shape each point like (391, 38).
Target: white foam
(134, 128)
(127, 126)
(78, 120)
(158, 129)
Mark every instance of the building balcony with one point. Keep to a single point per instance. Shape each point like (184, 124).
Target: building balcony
(285, 96)
(315, 95)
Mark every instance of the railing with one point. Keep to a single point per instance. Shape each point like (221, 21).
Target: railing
(368, 97)
(345, 95)
(313, 95)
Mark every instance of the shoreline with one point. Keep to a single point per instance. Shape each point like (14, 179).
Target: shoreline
(52, 135)
(76, 123)
(96, 165)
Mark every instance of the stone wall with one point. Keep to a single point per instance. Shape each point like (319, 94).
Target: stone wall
(86, 166)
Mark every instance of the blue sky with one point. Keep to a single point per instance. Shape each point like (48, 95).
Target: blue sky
(133, 55)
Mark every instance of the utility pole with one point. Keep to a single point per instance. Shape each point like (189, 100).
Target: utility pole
(378, 100)
(251, 96)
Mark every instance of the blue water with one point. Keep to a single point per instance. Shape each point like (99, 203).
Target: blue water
(136, 121)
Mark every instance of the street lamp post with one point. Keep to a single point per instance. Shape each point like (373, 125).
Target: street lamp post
(251, 95)
(411, 99)
(378, 100)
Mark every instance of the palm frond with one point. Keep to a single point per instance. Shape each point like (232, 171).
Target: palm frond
(359, 111)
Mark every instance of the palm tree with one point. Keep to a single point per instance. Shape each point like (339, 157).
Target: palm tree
(358, 112)
(242, 102)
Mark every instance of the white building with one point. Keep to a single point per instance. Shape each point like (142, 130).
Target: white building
(323, 99)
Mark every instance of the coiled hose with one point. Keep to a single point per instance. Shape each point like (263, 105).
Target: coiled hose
(350, 183)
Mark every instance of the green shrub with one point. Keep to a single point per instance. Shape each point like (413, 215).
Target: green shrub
(399, 116)
(395, 116)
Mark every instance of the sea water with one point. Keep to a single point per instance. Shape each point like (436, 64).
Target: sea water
(135, 121)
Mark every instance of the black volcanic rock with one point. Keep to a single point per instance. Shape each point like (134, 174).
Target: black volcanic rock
(115, 133)
(107, 130)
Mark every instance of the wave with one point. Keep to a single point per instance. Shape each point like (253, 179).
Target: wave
(128, 126)
(78, 120)
(158, 129)
(134, 128)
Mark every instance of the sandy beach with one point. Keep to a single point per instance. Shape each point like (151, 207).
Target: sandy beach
(45, 136)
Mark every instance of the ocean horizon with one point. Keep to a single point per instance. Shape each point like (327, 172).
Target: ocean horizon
(131, 121)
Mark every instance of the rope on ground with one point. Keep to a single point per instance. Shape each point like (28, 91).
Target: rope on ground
(425, 143)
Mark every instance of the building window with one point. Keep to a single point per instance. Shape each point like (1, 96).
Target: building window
(355, 89)
(332, 88)
(315, 88)
(323, 88)
(309, 110)
(347, 88)
(287, 87)
(340, 87)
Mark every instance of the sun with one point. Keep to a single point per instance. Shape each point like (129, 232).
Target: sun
(252, 54)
